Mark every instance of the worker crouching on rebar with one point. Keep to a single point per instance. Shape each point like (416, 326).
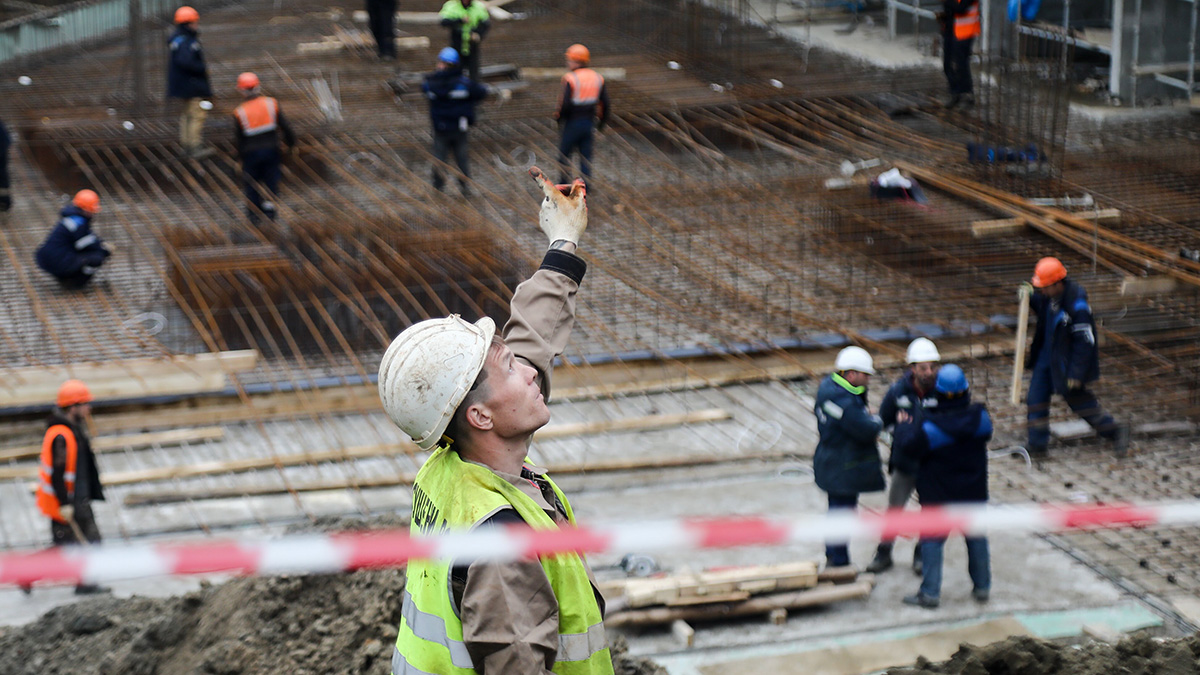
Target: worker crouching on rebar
(582, 110)
(72, 253)
(1064, 358)
(949, 444)
(475, 399)
(846, 462)
(257, 123)
(68, 478)
(452, 98)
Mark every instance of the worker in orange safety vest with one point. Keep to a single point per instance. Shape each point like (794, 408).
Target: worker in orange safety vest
(68, 478)
(258, 121)
(582, 110)
(960, 26)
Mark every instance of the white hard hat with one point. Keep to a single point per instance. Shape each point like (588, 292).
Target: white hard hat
(854, 358)
(428, 370)
(922, 350)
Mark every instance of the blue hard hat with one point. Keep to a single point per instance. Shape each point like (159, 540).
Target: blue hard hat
(449, 55)
(951, 380)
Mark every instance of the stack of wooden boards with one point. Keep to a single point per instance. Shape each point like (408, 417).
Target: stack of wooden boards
(723, 593)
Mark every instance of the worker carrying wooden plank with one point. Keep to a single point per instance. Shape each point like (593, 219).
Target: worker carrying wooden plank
(1064, 358)
(475, 399)
(68, 478)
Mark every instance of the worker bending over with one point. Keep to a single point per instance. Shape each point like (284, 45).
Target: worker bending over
(475, 399)
(257, 123)
(73, 253)
(582, 110)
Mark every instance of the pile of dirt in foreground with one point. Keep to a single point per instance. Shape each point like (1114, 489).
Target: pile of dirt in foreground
(1138, 655)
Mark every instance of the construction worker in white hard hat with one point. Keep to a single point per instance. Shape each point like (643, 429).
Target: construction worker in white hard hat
(846, 462)
(475, 399)
(912, 394)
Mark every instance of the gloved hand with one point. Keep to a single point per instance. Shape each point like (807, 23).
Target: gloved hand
(1025, 287)
(563, 217)
(68, 512)
(475, 37)
(1073, 384)
(107, 246)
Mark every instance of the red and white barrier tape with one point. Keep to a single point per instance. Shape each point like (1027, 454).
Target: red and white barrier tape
(313, 554)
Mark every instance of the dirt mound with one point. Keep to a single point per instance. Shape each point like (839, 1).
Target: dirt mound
(1138, 655)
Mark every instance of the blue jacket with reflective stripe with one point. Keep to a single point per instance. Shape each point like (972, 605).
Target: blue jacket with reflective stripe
(71, 244)
(1073, 353)
(950, 445)
(187, 74)
(847, 460)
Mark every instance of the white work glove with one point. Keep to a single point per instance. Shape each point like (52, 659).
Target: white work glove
(563, 216)
(68, 512)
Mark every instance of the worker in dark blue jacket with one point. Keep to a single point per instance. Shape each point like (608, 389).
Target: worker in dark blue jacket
(950, 446)
(452, 98)
(73, 253)
(187, 80)
(846, 462)
(1064, 359)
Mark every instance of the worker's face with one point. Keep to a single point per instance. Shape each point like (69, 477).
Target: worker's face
(515, 403)
(80, 412)
(1053, 290)
(856, 378)
(573, 64)
(925, 374)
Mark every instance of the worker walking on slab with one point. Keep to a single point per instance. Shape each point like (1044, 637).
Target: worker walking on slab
(452, 98)
(582, 110)
(949, 443)
(1063, 358)
(912, 394)
(72, 253)
(475, 399)
(846, 462)
(959, 20)
(381, 16)
(68, 478)
(258, 122)
(468, 21)
(187, 80)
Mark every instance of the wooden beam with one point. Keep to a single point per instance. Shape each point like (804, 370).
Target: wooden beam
(533, 74)
(763, 604)
(997, 228)
(132, 441)
(1148, 285)
(684, 634)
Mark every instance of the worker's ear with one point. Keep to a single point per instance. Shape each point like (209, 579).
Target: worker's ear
(479, 416)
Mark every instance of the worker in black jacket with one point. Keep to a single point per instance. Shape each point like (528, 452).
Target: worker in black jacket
(381, 16)
(452, 98)
(5, 195)
(187, 80)
(72, 253)
(258, 121)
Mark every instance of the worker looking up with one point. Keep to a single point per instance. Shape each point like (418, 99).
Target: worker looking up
(959, 20)
(582, 101)
(846, 462)
(68, 479)
(1064, 358)
(911, 394)
(949, 444)
(72, 253)
(468, 21)
(475, 399)
(257, 123)
(187, 80)
(452, 98)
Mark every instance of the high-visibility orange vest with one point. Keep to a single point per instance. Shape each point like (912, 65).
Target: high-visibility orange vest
(258, 115)
(966, 26)
(47, 501)
(585, 86)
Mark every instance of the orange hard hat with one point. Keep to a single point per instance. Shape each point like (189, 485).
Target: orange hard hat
(73, 392)
(87, 200)
(578, 52)
(247, 81)
(1048, 271)
(186, 14)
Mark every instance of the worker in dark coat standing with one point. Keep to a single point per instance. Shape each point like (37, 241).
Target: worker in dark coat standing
(582, 111)
(5, 195)
(68, 478)
(258, 122)
(187, 80)
(846, 462)
(468, 21)
(949, 443)
(452, 98)
(72, 253)
(960, 26)
(1064, 359)
(381, 16)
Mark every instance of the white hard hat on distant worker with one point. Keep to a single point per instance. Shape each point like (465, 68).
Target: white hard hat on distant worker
(922, 350)
(428, 370)
(854, 358)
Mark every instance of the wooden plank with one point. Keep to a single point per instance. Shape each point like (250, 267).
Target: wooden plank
(718, 585)
(537, 74)
(821, 595)
(684, 634)
(132, 441)
(997, 228)
(1148, 285)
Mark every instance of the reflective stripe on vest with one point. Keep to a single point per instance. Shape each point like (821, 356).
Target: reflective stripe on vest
(432, 628)
(47, 499)
(258, 115)
(966, 26)
(400, 666)
(581, 646)
(585, 86)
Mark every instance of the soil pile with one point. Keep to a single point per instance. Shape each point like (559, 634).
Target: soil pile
(1139, 655)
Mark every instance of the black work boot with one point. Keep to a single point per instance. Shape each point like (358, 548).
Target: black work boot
(921, 600)
(1037, 451)
(882, 561)
(1121, 441)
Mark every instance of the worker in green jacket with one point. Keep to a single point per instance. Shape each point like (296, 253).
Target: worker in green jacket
(468, 23)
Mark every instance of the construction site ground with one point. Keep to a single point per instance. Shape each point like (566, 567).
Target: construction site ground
(723, 277)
